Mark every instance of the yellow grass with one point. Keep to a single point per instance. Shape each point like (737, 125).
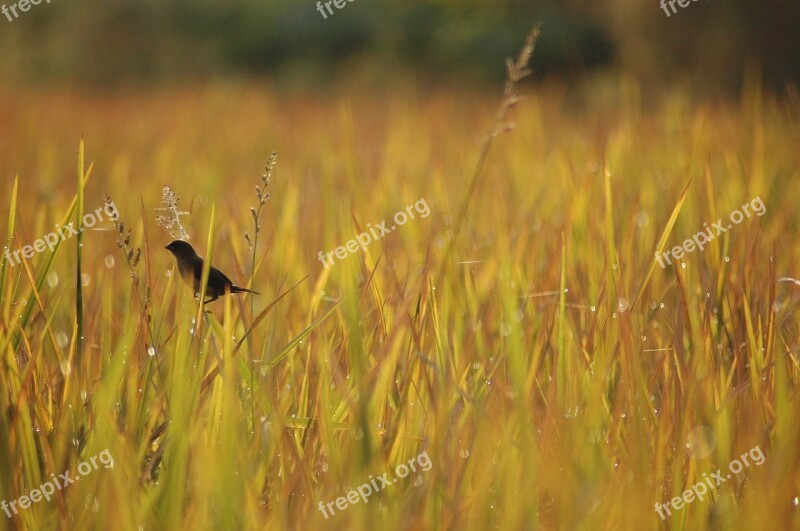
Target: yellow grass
(555, 375)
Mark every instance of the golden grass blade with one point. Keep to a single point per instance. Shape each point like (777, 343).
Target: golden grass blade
(662, 241)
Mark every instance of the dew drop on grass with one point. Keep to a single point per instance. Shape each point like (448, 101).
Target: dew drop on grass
(85, 279)
(84, 395)
(776, 306)
(727, 258)
(464, 453)
(109, 261)
(151, 351)
(476, 365)
(593, 309)
(62, 339)
(622, 305)
(418, 481)
(168, 273)
(52, 279)
(701, 442)
(796, 501)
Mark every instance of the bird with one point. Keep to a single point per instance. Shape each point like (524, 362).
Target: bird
(190, 266)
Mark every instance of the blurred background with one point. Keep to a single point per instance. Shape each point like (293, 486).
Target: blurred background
(706, 46)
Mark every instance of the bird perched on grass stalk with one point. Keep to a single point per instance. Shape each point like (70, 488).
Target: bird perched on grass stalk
(190, 266)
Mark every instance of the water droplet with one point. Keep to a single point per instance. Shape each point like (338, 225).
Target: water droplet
(151, 351)
(727, 258)
(622, 305)
(109, 261)
(66, 368)
(52, 279)
(593, 309)
(62, 339)
(701, 442)
(85, 279)
(464, 453)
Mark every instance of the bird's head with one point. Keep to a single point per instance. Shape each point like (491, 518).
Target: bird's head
(181, 249)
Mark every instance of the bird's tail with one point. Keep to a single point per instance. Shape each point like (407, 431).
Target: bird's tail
(237, 289)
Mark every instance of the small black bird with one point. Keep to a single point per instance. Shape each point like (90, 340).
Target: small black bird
(190, 267)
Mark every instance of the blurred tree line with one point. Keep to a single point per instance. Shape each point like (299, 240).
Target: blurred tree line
(112, 42)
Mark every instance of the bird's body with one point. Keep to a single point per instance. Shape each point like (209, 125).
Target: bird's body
(190, 267)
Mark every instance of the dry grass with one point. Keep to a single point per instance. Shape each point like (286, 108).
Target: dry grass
(552, 375)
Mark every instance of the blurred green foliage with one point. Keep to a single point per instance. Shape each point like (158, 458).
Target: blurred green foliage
(118, 41)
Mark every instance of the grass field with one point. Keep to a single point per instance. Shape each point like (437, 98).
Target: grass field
(541, 367)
